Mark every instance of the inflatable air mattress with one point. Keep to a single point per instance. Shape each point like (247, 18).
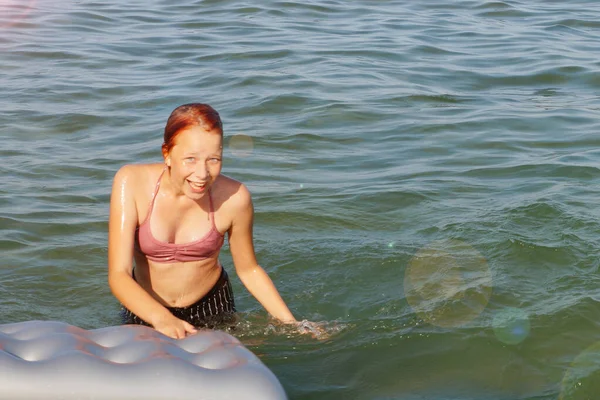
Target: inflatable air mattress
(53, 360)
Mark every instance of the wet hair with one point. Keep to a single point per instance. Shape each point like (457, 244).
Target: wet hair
(187, 116)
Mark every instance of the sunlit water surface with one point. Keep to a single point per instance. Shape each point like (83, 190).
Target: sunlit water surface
(425, 178)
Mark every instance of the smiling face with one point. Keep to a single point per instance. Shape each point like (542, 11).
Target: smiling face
(195, 160)
(193, 148)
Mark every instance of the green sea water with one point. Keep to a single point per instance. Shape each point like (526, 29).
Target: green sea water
(424, 174)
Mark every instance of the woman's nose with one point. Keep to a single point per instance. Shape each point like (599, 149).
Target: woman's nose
(201, 171)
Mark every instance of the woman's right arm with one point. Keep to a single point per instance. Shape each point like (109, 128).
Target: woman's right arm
(122, 223)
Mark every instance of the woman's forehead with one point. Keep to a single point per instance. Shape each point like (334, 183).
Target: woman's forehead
(198, 139)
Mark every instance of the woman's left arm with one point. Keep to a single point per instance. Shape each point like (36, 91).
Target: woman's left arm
(252, 275)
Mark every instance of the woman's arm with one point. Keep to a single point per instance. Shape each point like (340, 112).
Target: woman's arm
(121, 230)
(250, 273)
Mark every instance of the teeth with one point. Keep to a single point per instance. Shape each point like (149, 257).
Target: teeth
(197, 185)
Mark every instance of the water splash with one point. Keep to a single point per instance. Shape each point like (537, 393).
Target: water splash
(252, 328)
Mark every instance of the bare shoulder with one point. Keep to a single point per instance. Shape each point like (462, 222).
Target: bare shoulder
(135, 177)
(232, 194)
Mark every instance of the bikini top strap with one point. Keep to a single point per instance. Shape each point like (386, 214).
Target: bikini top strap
(156, 187)
(212, 209)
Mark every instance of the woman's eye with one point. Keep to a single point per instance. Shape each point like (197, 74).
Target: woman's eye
(189, 159)
(215, 160)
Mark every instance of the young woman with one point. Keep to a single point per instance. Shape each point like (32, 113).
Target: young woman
(171, 218)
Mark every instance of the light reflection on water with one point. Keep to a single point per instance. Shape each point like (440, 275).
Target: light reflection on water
(366, 132)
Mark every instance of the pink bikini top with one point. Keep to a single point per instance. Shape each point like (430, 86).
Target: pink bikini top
(164, 252)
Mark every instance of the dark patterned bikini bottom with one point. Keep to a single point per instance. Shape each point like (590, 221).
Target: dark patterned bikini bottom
(216, 309)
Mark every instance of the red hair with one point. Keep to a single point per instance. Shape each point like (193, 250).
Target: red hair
(187, 116)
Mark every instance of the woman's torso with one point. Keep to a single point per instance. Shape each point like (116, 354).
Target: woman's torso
(168, 227)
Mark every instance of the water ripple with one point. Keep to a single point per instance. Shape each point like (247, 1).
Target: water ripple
(375, 129)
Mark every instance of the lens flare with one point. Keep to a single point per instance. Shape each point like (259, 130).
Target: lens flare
(14, 11)
(582, 379)
(448, 283)
(511, 325)
(241, 145)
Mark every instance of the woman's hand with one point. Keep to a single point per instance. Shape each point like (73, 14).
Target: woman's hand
(174, 327)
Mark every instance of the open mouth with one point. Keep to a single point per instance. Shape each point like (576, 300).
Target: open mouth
(197, 187)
